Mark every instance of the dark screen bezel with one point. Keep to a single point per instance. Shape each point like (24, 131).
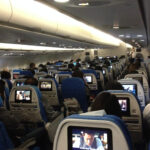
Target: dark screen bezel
(23, 101)
(69, 133)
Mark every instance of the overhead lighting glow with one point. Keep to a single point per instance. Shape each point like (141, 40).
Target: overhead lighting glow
(8, 46)
(139, 35)
(142, 40)
(129, 45)
(115, 27)
(121, 35)
(83, 4)
(61, 1)
(128, 36)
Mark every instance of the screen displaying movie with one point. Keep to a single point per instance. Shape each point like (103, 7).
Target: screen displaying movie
(23, 96)
(124, 105)
(19, 83)
(45, 85)
(130, 88)
(61, 78)
(140, 79)
(88, 79)
(80, 138)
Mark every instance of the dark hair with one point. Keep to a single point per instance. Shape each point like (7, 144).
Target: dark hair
(77, 73)
(113, 85)
(31, 81)
(32, 65)
(108, 102)
(5, 75)
(2, 89)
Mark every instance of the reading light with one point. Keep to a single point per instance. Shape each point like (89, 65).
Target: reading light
(121, 35)
(115, 27)
(142, 40)
(61, 1)
(139, 35)
(83, 4)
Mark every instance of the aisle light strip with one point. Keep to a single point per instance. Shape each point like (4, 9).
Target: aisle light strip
(47, 14)
(8, 46)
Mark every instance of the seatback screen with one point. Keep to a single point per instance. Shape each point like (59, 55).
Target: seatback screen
(130, 88)
(23, 96)
(124, 105)
(88, 79)
(46, 86)
(80, 138)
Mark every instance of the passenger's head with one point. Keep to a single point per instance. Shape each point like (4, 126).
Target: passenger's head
(32, 65)
(77, 73)
(31, 81)
(113, 85)
(5, 75)
(2, 88)
(108, 102)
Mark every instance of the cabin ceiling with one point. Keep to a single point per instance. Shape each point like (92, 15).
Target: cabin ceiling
(132, 19)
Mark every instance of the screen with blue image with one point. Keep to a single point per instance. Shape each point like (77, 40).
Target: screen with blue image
(130, 88)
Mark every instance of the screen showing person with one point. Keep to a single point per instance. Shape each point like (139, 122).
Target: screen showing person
(131, 88)
(88, 79)
(140, 79)
(89, 138)
(125, 105)
(46, 86)
(61, 78)
(19, 83)
(23, 96)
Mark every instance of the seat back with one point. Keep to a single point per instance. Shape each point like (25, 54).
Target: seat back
(131, 113)
(26, 104)
(5, 142)
(135, 87)
(61, 76)
(49, 92)
(144, 82)
(91, 81)
(105, 129)
(75, 87)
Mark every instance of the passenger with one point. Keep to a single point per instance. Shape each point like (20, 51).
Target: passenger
(70, 65)
(7, 76)
(114, 85)
(88, 141)
(108, 102)
(31, 81)
(133, 68)
(2, 89)
(32, 68)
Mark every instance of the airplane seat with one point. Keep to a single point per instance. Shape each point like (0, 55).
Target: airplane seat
(75, 88)
(107, 129)
(101, 78)
(144, 82)
(90, 77)
(62, 75)
(5, 142)
(27, 108)
(50, 98)
(136, 88)
(144, 72)
(131, 113)
(40, 75)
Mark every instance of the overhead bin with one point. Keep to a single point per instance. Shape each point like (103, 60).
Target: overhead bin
(40, 17)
